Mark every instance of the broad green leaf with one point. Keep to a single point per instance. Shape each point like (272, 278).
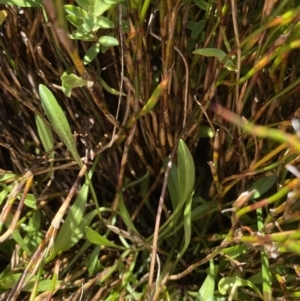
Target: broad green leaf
(202, 4)
(97, 239)
(262, 185)
(75, 21)
(88, 24)
(206, 292)
(91, 53)
(211, 52)
(74, 81)
(58, 120)
(85, 4)
(108, 41)
(197, 29)
(30, 201)
(45, 135)
(71, 81)
(81, 34)
(7, 175)
(190, 25)
(22, 3)
(99, 7)
(173, 186)
(75, 11)
(104, 22)
(72, 229)
(219, 54)
(186, 171)
(125, 215)
(226, 284)
(92, 263)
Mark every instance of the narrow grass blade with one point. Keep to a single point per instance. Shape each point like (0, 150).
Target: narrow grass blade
(125, 215)
(97, 239)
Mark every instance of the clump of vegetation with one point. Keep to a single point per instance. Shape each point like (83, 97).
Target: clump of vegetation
(149, 150)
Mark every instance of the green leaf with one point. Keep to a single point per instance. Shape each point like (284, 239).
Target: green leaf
(235, 251)
(211, 52)
(75, 11)
(45, 135)
(30, 201)
(202, 4)
(75, 21)
(219, 54)
(92, 263)
(71, 81)
(99, 7)
(73, 228)
(85, 4)
(58, 120)
(4, 192)
(108, 41)
(226, 284)
(104, 22)
(81, 34)
(206, 132)
(198, 27)
(22, 3)
(11, 280)
(262, 185)
(125, 215)
(91, 53)
(88, 24)
(206, 292)
(173, 186)
(187, 223)
(97, 239)
(186, 171)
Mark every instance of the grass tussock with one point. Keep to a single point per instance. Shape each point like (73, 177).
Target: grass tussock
(149, 151)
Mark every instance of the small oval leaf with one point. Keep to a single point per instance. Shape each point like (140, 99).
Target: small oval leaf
(108, 41)
(91, 53)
